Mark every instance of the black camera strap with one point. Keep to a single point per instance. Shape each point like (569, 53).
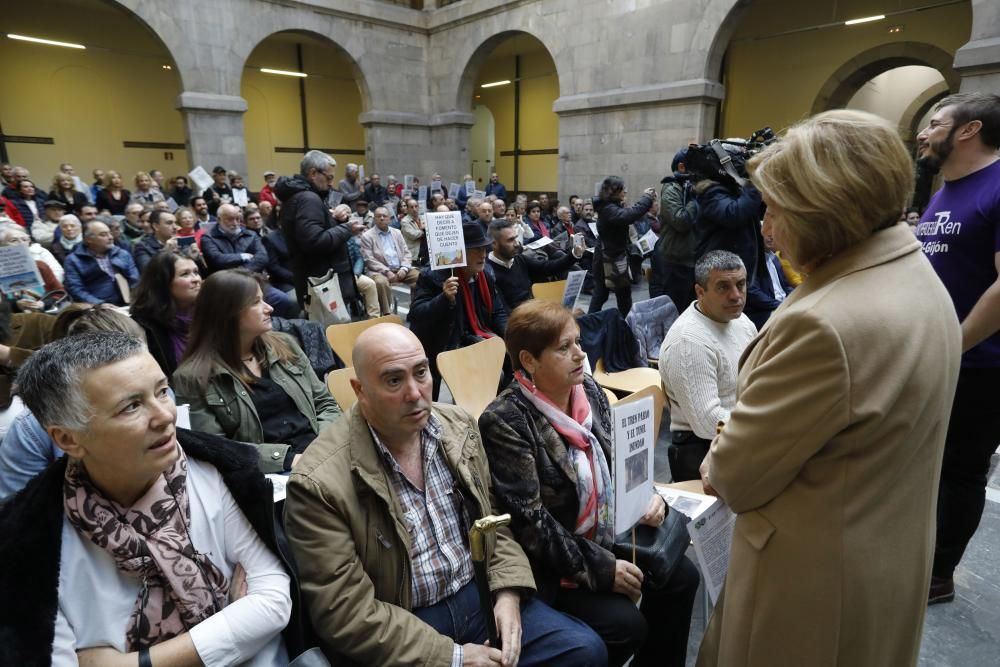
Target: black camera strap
(727, 162)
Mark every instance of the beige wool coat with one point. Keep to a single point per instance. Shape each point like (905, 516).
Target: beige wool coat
(831, 460)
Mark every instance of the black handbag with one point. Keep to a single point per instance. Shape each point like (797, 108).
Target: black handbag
(658, 549)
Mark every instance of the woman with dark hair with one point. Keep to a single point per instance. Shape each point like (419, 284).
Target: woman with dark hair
(611, 270)
(163, 305)
(548, 437)
(246, 382)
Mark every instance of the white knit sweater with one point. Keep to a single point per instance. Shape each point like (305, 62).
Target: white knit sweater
(699, 360)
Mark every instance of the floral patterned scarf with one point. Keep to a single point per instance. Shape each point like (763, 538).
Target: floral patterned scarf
(150, 540)
(595, 518)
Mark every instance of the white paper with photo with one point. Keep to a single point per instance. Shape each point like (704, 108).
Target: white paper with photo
(647, 241)
(633, 461)
(18, 272)
(436, 186)
(422, 211)
(445, 242)
(574, 284)
(200, 178)
(422, 193)
(408, 182)
(453, 190)
(711, 530)
(470, 187)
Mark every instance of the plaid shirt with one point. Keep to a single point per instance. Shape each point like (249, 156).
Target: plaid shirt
(441, 562)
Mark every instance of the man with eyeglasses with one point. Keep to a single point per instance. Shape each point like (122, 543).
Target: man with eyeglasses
(388, 260)
(99, 271)
(316, 242)
(960, 233)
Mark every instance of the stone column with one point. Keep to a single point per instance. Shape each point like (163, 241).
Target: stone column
(632, 133)
(413, 143)
(213, 125)
(979, 60)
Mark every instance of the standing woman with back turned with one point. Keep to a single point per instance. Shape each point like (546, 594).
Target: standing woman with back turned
(611, 272)
(832, 455)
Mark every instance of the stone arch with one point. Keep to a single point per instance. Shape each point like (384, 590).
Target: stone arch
(920, 106)
(168, 31)
(849, 77)
(356, 69)
(716, 28)
(474, 62)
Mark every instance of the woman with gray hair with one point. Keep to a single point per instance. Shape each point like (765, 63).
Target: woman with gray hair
(831, 457)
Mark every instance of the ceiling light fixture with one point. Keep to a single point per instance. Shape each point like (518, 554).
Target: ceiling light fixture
(166, 67)
(495, 84)
(867, 19)
(895, 29)
(283, 72)
(50, 42)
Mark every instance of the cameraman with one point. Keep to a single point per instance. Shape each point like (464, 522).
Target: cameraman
(730, 220)
(674, 254)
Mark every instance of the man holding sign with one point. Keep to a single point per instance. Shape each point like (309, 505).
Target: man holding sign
(460, 307)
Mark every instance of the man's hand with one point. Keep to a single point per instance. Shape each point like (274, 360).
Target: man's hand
(507, 612)
(450, 288)
(402, 273)
(650, 192)
(703, 470)
(393, 278)
(170, 245)
(628, 580)
(476, 655)
(656, 511)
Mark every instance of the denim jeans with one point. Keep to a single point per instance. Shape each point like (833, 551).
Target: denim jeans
(548, 637)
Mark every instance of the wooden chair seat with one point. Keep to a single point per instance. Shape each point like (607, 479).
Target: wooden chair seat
(343, 336)
(473, 373)
(627, 381)
(339, 384)
(549, 291)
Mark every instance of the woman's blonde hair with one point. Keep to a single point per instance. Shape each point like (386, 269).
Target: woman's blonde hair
(838, 177)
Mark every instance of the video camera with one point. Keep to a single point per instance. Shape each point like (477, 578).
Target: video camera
(724, 160)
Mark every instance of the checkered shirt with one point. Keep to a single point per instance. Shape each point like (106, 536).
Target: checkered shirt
(440, 560)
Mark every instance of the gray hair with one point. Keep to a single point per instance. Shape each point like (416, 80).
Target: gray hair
(317, 160)
(8, 228)
(50, 381)
(716, 260)
(69, 217)
(351, 168)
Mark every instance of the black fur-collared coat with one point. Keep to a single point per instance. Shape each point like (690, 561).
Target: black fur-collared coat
(31, 525)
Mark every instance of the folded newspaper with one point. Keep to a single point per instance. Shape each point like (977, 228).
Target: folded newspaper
(711, 530)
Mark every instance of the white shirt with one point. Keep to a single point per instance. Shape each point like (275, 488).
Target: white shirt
(96, 598)
(699, 360)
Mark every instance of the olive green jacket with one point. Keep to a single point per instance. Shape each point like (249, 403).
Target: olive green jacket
(351, 544)
(226, 407)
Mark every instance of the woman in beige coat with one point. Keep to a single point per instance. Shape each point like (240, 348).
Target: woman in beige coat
(832, 455)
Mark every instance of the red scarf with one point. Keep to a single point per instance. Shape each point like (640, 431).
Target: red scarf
(470, 306)
(541, 228)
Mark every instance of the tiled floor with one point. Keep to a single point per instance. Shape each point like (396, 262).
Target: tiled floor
(963, 633)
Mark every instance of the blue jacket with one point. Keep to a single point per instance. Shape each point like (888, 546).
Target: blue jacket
(731, 222)
(86, 281)
(496, 189)
(222, 251)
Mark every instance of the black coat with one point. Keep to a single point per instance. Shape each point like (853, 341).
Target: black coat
(316, 242)
(75, 202)
(731, 222)
(279, 261)
(160, 344)
(515, 283)
(29, 562)
(441, 325)
(613, 221)
(222, 251)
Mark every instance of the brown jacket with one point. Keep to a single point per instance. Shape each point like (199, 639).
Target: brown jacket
(831, 459)
(28, 332)
(352, 547)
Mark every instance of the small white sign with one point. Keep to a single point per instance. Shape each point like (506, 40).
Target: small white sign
(453, 190)
(540, 243)
(422, 193)
(200, 178)
(574, 284)
(408, 182)
(647, 241)
(470, 187)
(633, 461)
(445, 241)
(361, 172)
(436, 186)
(18, 274)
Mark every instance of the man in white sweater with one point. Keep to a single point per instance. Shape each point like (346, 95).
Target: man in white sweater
(699, 359)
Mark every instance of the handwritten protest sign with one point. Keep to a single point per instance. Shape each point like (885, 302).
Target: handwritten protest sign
(445, 242)
(633, 462)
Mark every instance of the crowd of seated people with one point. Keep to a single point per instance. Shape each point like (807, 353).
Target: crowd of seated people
(176, 300)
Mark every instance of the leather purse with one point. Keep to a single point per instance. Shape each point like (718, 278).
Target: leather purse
(658, 549)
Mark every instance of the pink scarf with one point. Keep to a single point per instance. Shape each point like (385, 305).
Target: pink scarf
(150, 540)
(595, 517)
